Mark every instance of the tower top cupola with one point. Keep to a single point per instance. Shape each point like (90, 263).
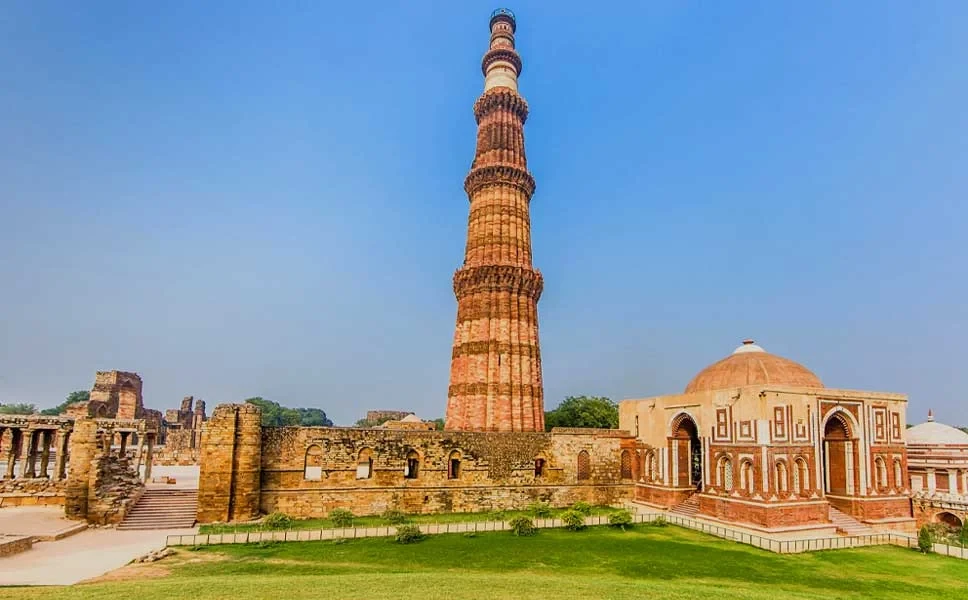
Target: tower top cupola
(503, 14)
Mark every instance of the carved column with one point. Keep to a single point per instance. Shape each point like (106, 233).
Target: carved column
(29, 459)
(15, 437)
(150, 445)
(46, 439)
(60, 459)
(124, 443)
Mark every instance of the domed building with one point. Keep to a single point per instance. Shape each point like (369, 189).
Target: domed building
(757, 439)
(938, 467)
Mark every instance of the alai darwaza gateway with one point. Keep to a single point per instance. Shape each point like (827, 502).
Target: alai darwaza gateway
(758, 439)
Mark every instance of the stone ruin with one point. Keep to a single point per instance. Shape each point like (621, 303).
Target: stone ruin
(182, 433)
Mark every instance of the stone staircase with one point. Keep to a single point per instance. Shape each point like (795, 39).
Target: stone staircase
(163, 509)
(687, 509)
(848, 525)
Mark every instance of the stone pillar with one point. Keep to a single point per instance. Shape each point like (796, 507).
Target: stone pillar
(124, 442)
(229, 486)
(84, 450)
(149, 444)
(12, 452)
(60, 459)
(30, 455)
(932, 482)
(46, 439)
(140, 454)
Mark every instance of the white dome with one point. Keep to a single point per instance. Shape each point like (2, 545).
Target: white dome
(933, 434)
(748, 346)
(411, 418)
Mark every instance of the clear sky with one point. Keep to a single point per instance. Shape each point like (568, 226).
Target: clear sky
(252, 198)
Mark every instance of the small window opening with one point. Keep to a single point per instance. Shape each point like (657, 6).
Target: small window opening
(413, 466)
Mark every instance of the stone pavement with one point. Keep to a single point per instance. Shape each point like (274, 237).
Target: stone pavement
(39, 522)
(86, 555)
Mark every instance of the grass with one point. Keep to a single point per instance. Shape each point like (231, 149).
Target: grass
(378, 521)
(601, 562)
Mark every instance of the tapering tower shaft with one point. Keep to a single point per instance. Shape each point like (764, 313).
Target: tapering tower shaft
(495, 373)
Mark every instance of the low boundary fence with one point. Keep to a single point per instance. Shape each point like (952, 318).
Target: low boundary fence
(779, 546)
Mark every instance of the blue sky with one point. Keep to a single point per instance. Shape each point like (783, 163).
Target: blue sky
(243, 198)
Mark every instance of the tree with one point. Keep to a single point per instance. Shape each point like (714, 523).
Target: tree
(439, 424)
(583, 411)
(313, 417)
(965, 429)
(276, 415)
(925, 541)
(17, 409)
(72, 398)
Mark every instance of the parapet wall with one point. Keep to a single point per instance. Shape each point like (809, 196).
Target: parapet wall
(309, 471)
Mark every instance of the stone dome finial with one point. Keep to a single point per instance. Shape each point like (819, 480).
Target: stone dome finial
(930, 416)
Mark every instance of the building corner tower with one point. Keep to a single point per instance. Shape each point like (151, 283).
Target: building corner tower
(495, 373)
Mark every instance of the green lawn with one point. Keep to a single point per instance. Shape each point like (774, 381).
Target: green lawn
(378, 521)
(647, 562)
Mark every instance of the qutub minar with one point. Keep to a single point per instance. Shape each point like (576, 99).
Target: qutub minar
(495, 373)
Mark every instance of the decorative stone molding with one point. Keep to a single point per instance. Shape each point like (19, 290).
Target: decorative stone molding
(498, 278)
(497, 175)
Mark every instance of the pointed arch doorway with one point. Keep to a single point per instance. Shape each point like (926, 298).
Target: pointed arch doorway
(839, 456)
(687, 452)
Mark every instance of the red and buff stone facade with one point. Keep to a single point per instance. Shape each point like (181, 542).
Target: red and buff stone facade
(495, 375)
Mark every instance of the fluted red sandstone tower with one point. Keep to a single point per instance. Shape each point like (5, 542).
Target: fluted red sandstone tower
(495, 372)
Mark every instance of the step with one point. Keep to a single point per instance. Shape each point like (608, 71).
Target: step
(163, 509)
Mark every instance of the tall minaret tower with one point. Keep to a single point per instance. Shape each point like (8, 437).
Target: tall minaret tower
(495, 371)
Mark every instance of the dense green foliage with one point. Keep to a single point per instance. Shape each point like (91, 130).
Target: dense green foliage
(522, 526)
(73, 397)
(583, 411)
(392, 516)
(621, 519)
(276, 415)
(573, 520)
(17, 409)
(925, 539)
(541, 510)
(582, 508)
(408, 534)
(396, 515)
(341, 517)
(277, 520)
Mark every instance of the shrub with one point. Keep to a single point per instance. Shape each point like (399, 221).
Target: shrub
(393, 516)
(573, 520)
(963, 537)
(523, 526)
(542, 510)
(341, 517)
(409, 534)
(620, 519)
(582, 507)
(925, 541)
(659, 521)
(277, 520)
